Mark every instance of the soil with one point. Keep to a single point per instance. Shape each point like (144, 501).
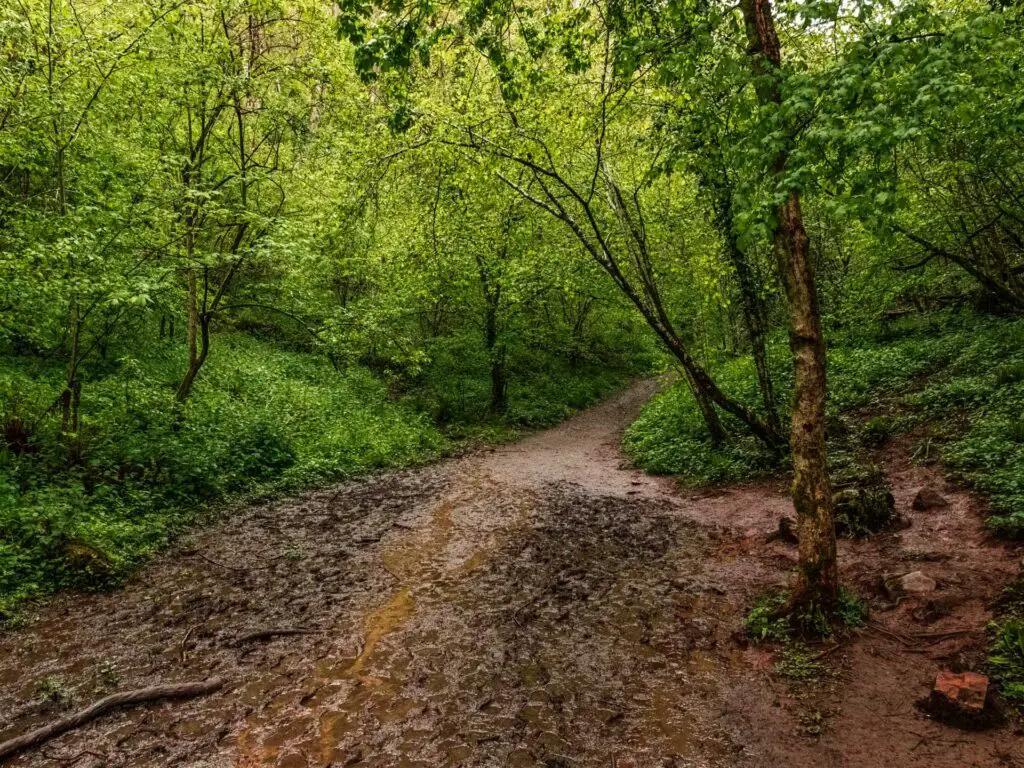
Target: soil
(538, 604)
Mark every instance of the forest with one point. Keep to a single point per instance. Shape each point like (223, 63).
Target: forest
(250, 249)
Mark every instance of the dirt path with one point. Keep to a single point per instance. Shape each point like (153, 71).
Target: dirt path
(538, 605)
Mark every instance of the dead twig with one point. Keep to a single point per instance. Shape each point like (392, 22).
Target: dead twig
(182, 650)
(124, 699)
(942, 635)
(889, 633)
(916, 640)
(211, 561)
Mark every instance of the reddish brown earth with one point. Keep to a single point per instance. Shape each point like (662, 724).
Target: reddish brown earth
(541, 604)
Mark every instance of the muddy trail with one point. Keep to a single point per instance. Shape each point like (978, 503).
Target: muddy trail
(541, 604)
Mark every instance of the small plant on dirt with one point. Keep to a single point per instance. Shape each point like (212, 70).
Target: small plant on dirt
(925, 451)
(798, 663)
(764, 624)
(55, 691)
(16, 618)
(109, 677)
(1006, 644)
(812, 723)
(1006, 658)
(877, 431)
(853, 609)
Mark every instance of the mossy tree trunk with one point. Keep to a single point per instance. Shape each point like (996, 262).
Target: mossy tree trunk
(816, 589)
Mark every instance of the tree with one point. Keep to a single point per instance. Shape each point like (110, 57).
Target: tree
(817, 586)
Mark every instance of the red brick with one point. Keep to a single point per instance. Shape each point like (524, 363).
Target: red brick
(965, 690)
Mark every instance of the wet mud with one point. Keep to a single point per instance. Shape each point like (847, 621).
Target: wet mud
(539, 604)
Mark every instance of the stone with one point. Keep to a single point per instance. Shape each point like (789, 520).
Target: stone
(865, 506)
(962, 699)
(964, 690)
(929, 498)
(917, 583)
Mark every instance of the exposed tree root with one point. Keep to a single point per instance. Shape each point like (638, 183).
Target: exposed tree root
(104, 705)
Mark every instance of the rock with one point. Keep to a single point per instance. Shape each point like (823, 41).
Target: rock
(929, 498)
(865, 507)
(917, 583)
(961, 699)
(938, 607)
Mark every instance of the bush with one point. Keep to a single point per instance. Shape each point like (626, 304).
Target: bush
(1006, 644)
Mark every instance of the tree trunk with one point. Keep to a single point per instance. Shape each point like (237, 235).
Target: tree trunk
(700, 381)
(499, 398)
(816, 590)
(754, 311)
(495, 354)
(196, 362)
(197, 329)
(817, 585)
(716, 432)
(703, 386)
(495, 348)
(69, 413)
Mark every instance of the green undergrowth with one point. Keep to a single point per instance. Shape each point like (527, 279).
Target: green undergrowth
(1006, 644)
(797, 662)
(958, 376)
(261, 421)
(84, 511)
(766, 623)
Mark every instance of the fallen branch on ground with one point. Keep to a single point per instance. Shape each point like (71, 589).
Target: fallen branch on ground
(916, 639)
(942, 635)
(104, 705)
